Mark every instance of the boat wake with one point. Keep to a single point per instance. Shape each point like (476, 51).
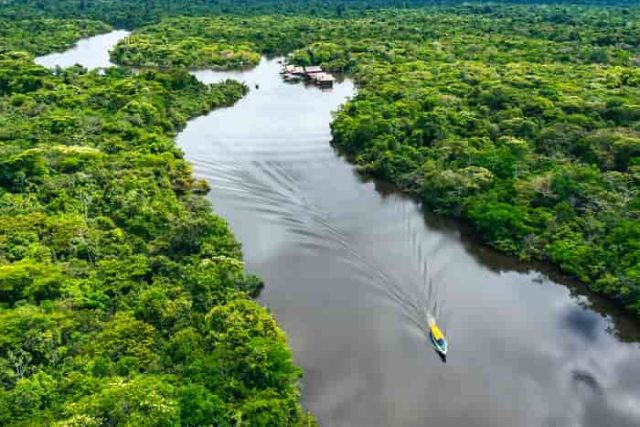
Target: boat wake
(273, 190)
(273, 176)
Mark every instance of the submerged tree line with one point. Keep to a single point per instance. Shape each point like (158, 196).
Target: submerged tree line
(123, 298)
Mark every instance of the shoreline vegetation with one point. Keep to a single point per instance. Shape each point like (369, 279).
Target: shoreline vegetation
(43, 36)
(123, 297)
(522, 121)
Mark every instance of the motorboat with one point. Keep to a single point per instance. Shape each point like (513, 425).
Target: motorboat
(437, 338)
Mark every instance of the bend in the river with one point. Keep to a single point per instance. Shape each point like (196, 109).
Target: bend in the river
(351, 269)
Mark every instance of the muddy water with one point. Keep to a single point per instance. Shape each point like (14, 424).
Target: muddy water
(351, 270)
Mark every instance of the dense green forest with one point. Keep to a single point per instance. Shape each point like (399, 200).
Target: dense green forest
(529, 129)
(42, 36)
(509, 35)
(123, 298)
(134, 13)
(524, 121)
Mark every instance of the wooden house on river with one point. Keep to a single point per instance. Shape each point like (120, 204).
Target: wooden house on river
(313, 73)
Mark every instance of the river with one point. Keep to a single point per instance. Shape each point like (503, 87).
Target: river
(92, 52)
(351, 266)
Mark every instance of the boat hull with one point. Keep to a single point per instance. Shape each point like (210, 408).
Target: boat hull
(440, 348)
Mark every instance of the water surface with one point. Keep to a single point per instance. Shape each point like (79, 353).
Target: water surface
(92, 52)
(350, 268)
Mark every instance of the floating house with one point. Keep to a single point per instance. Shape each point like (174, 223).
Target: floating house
(313, 73)
(323, 79)
(292, 70)
(310, 71)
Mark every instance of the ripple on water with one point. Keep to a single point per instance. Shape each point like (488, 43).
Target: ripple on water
(351, 272)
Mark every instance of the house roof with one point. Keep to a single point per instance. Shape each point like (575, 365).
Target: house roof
(313, 69)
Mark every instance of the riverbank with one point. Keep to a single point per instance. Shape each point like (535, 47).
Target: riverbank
(345, 262)
(543, 168)
(124, 298)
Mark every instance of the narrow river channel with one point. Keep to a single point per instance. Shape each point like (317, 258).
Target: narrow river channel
(351, 268)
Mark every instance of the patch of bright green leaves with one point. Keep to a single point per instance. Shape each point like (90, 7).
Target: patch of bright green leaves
(42, 36)
(123, 298)
(523, 120)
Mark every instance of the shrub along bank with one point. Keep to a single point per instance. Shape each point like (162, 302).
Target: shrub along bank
(521, 120)
(123, 298)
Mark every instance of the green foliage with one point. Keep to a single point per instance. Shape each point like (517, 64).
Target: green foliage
(518, 131)
(171, 45)
(522, 120)
(42, 36)
(144, 400)
(123, 298)
(134, 13)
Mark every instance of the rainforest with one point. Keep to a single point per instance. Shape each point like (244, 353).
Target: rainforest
(522, 121)
(124, 298)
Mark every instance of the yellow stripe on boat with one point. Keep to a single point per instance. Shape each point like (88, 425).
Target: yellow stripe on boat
(436, 332)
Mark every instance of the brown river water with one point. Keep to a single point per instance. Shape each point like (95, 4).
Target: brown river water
(353, 268)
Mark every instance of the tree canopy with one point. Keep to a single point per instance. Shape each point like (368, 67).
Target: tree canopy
(521, 120)
(123, 297)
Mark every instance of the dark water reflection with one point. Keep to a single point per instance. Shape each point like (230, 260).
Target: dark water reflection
(346, 261)
(349, 269)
